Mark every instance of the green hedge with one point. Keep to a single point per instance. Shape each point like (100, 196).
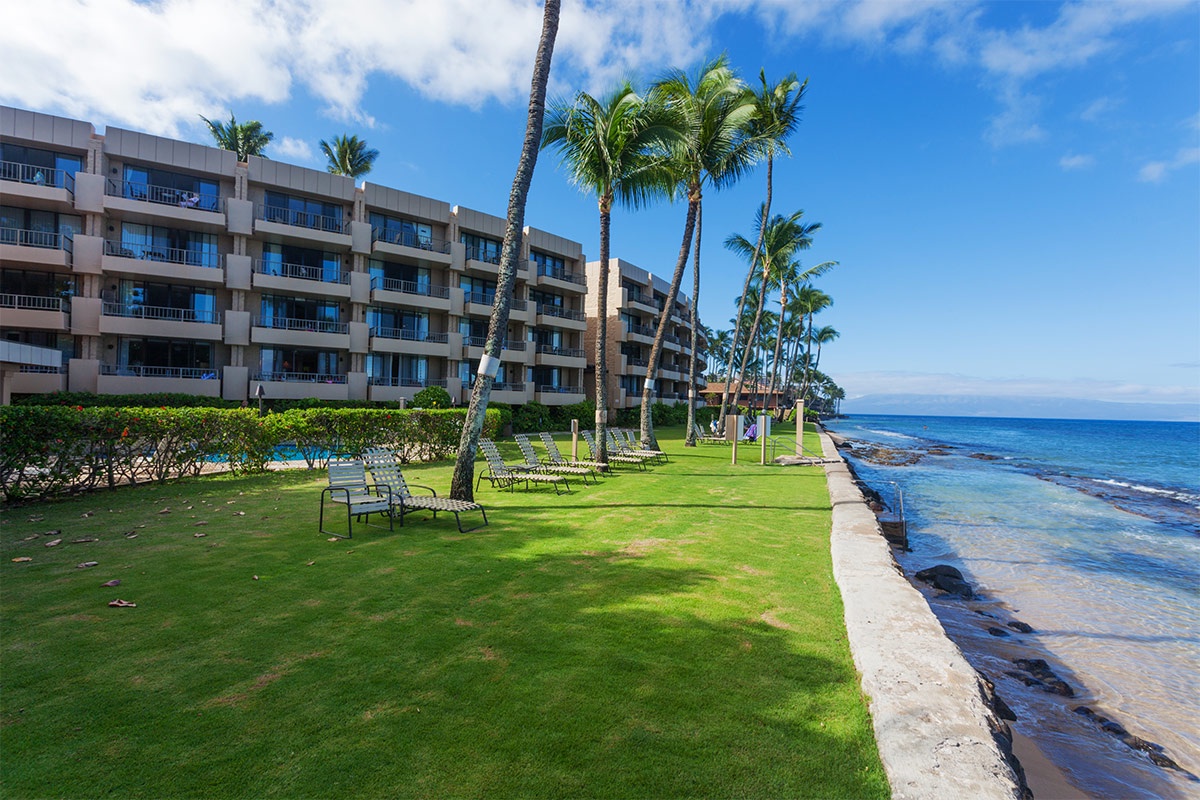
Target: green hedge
(57, 449)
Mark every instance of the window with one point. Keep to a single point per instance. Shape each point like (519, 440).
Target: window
(167, 301)
(285, 363)
(553, 266)
(301, 262)
(399, 277)
(164, 353)
(64, 343)
(35, 228)
(170, 188)
(468, 369)
(36, 284)
(546, 298)
(478, 290)
(396, 230)
(632, 384)
(404, 323)
(33, 165)
(481, 248)
(279, 311)
(394, 369)
(302, 212)
(169, 244)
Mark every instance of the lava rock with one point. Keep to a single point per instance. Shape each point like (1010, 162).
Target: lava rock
(994, 631)
(929, 574)
(1039, 669)
(1022, 627)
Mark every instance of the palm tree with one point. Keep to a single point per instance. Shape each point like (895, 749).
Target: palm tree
(781, 239)
(777, 113)
(349, 156)
(613, 149)
(246, 138)
(713, 112)
(811, 301)
(823, 335)
(464, 465)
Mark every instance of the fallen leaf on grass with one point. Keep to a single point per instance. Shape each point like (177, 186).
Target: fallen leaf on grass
(310, 563)
(255, 577)
(198, 535)
(37, 517)
(165, 511)
(55, 532)
(122, 604)
(19, 559)
(334, 539)
(86, 514)
(239, 513)
(53, 542)
(131, 535)
(87, 564)
(113, 582)
(84, 540)
(201, 522)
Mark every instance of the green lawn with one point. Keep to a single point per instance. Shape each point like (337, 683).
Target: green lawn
(670, 634)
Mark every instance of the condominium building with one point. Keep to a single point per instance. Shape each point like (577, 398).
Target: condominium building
(636, 300)
(156, 265)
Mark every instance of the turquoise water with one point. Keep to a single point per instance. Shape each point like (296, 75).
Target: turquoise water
(1088, 531)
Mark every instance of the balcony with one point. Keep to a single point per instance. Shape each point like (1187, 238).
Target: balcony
(148, 202)
(300, 279)
(163, 262)
(133, 319)
(328, 231)
(409, 244)
(559, 317)
(301, 385)
(643, 331)
(549, 355)
(559, 395)
(31, 311)
(296, 332)
(405, 340)
(648, 301)
(39, 187)
(130, 379)
(37, 379)
(45, 248)
(410, 293)
(417, 383)
(559, 274)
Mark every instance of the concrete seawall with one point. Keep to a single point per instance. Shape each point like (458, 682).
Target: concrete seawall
(936, 733)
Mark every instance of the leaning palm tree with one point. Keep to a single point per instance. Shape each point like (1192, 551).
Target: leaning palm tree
(613, 148)
(811, 302)
(464, 465)
(777, 114)
(246, 138)
(349, 156)
(714, 113)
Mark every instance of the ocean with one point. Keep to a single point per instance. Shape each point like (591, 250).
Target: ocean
(1089, 533)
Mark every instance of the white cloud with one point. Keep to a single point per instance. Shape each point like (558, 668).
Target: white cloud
(1099, 109)
(1157, 171)
(1070, 162)
(294, 150)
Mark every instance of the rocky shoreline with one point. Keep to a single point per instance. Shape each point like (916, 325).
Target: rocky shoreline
(946, 584)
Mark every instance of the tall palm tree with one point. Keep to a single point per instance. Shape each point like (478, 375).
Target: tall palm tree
(777, 114)
(782, 239)
(464, 465)
(713, 111)
(787, 275)
(613, 148)
(811, 302)
(823, 335)
(349, 156)
(246, 138)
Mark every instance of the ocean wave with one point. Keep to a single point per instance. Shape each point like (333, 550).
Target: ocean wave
(1180, 495)
(891, 434)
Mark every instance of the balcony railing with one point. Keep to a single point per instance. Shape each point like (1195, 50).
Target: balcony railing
(299, 377)
(481, 254)
(379, 380)
(508, 344)
(672, 338)
(637, 362)
(170, 255)
(560, 389)
(410, 239)
(45, 239)
(644, 299)
(567, 352)
(483, 298)
(301, 271)
(38, 176)
(641, 330)
(31, 302)
(301, 219)
(162, 195)
(409, 287)
(297, 324)
(40, 369)
(165, 313)
(140, 371)
(562, 313)
(507, 386)
(561, 274)
(410, 335)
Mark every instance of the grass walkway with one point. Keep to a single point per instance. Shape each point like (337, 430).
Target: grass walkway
(670, 634)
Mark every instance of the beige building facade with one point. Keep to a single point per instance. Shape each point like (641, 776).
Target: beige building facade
(156, 265)
(636, 302)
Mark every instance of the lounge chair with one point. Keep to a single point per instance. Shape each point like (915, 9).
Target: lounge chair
(385, 469)
(348, 485)
(499, 473)
(614, 457)
(628, 447)
(707, 438)
(537, 465)
(554, 456)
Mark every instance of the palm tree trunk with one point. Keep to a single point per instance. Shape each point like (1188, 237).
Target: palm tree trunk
(685, 248)
(690, 440)
(808, 363)
(751, 336)
(766, 215)
(464, 467)
(602, 331)
(778, 340)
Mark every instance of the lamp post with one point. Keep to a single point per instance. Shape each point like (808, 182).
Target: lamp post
(260, 394)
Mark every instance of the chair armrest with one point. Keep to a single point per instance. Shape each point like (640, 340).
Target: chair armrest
(430, 489)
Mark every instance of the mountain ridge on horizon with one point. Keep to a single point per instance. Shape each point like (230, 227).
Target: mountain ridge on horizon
(1019, 407)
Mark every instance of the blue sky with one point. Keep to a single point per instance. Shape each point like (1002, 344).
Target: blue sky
(1012, 189)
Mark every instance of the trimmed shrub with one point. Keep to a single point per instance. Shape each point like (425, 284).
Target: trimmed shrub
(531, 417)
(561, 416)
(431, 397)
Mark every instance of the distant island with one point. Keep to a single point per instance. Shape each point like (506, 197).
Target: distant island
(1005, 406)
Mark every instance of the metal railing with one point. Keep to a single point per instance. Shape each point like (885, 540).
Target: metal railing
(170, 255)
(480, 254)
(641, 330)
(37, 176)
(507, 344)
(31, 302)
(560, 389)
(410, 239)
(301, 219)
(644, 299)
(164, 313)
(558, 273)
(304, 272)
(379, 380)
(49, 240)
(162, 195)
(409, 287)
(567, 352)
(41, 369)
(482, 298)
(560, 312)
(510, 386)
(410, 335)
(299, 377)
(141, 371)
(297, 324)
